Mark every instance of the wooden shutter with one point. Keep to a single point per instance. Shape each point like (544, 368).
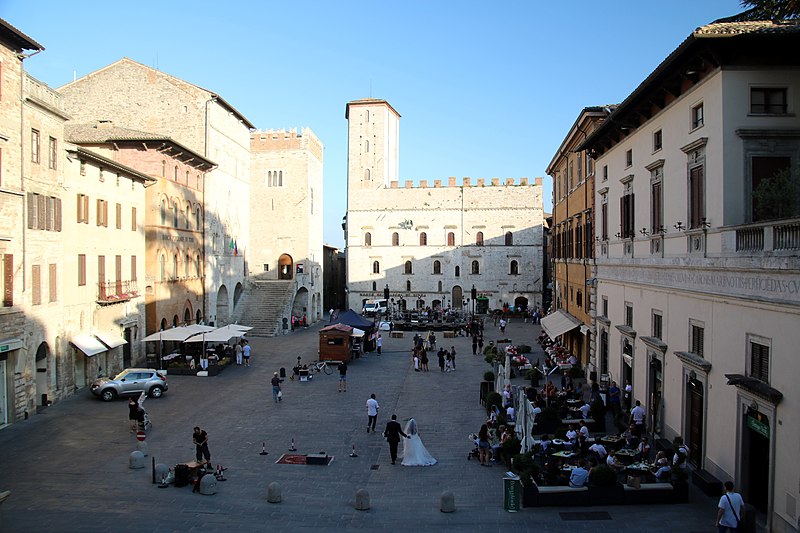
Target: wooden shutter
(655, 208)
(118, 272)
(101, 275)
(41, 211)
(133, 219)
(57, 215)
(8, 280)
(53, 285)
(133, 268)
(36, 284)
(119, 216)
(105, 213)
(31, 210)
(622, 216)
(81, 270)
(85, 209)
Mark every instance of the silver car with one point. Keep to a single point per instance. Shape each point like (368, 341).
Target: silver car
(131, 382)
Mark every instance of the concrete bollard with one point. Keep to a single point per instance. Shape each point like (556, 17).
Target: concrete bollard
(362, 500)
(208, 484)
(274, 492)
(161, 471)
(143, 447)
(136, 460)
(447, 502)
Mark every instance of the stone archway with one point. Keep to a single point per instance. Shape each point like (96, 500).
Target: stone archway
(222, 306)
(285, 267)
(300, 304)
(520, 303)
(42, 370)
(187, 316)
(237, 295)
(458, 296)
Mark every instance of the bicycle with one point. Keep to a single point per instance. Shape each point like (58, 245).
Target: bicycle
(321, 366)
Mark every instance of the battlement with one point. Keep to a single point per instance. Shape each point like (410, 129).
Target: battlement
(467, 182)
(283, 139)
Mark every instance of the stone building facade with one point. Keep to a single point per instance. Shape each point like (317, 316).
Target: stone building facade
(149, 100)
(286, 191)
(573, 239)
(431, 244)
(699, 269)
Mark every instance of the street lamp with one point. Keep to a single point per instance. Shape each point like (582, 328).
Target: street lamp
(474, 296)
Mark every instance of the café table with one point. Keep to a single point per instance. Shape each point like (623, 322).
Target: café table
(625, 456)
(565, 454)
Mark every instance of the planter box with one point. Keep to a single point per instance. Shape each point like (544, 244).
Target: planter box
(613, 495)
(213, 370)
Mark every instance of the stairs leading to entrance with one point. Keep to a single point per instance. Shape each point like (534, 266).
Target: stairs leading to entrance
(263, 305)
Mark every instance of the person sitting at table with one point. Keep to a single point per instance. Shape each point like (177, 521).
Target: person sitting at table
(492, 421)
(583, 429)
(680, 449)
(552, 471)
(497, 445)
(572, 359)
(510, 413)
(585, 410)
(546, 442)
(579, 476)
(643, 450)
(631, 440)
(578, 395)
(572, 437)
(599, 449)
(615, 463)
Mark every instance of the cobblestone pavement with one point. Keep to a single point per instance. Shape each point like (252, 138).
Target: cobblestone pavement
(68, 470)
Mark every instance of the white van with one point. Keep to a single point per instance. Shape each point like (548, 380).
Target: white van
(373, 307)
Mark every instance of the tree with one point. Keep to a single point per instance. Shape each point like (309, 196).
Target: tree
(771, 9)
(778, 197)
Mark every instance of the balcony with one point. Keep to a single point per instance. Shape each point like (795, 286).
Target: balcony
(111, 292)
(779, 236)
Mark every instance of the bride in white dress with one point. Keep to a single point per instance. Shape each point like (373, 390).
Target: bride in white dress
(414, 452)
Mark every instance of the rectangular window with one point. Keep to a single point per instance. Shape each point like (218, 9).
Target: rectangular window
(1, 150)
(604, 219)
(102, 212)
(8, 280)
(118, 274)
(53, 282)
(119, 216)
(605, 306)
(626, 216)
(101, 175)
(697, 340)
(629, 158)
(101, 276)
(628, 315)
(697, 116)
(81, 270)
(83, 167)
(759, 361)
(133, 219)
(697, 207)
(656, 201)
(605, 172)
(36, 285)
(768, 101)
(133, 268)
(52, 159)
(35, 146)
(83, 209)
(657, 141)
(588, 236)
(658, 320)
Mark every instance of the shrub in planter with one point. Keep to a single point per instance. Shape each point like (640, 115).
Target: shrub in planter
(488, 376)
(509, 449)
(526, 468)
(603, 476)
(493, 399)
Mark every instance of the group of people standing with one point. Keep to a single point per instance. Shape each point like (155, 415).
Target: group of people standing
(419, 354)
(242, 350)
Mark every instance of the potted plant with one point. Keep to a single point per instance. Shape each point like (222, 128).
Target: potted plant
(509, 449)
(494, 399)
(528, 471)
(604, 489)
(486, 385)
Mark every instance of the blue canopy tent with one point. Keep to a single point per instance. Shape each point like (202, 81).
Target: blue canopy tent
(354, 320)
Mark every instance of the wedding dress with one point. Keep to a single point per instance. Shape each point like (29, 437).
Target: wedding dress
(414, 452)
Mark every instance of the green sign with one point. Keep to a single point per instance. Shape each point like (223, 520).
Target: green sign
(512, 494)
(4, 348)
(758, 426)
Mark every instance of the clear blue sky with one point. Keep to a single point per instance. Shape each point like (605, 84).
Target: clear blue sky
(485, 89)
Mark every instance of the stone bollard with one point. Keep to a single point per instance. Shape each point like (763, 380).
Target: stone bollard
(274, 492)
(208, 484)
(136, 460)
(161, 471)
(362, 500)
(447, 502)
(142, 447)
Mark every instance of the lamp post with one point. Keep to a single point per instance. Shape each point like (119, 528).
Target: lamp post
(474, 296)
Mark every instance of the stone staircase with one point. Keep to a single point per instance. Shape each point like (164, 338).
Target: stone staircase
(263, 305)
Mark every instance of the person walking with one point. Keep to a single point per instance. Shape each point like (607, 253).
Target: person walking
(503, 324)
(372, 412)
(392, 433)
(379, 343)
(135, 414)
(729, 510)
(200, 439)
(238, 351)
(441, 360)
(637, 418)
(342, 377)
(423, 360)
(246, 353)
(474, 345)
(277, 395)
(453, 356)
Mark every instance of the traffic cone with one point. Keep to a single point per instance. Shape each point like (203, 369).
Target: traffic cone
(263, 448)
(163, 483)
(292, 448)
(353, 453)
(220, 475)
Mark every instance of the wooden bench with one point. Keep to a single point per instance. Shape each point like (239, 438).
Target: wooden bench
(707, 482)
(561, 496)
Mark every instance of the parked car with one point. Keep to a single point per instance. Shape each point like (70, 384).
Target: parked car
(385, 325)
(131, 382)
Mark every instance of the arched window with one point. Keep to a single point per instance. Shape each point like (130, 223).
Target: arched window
(376, 267)
(407, 268)
(366, 115)
(476, 267)
(269, 178)
(514, 268)
(509, 238)
(197, 265)
(451, 239)
(197, 220)
(174, 214)
(366, 146)
(175, 266)
(186, 266)
(408, 285)
(367, 175)
(175, 174)
(188, 216)
(280, 178)
(395, 239)
(374, 286)
(368, 239)
(162, 275)
(423, 239)
(440, 286)
(163, 168)
(163, 212)
(437, 267)
(479, 238)
(458, 272)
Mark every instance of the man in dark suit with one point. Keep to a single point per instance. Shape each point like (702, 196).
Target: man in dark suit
(392, 434)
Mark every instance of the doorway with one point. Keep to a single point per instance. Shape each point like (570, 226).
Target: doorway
(656, 387)
(42, 362)
(457, 296)
(755, 459)
(285, 264)
(694, 405)
(126, 348)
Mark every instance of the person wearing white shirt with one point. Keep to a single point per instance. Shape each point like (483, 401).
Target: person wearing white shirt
(510, 413)
(585, 408)
(730, 509)
(599, 449)
(372, 413)
(615, 464)
(584, 430)
(572, 436)
(637, 417)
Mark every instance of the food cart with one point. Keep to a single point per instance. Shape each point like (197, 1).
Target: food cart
(335, 343)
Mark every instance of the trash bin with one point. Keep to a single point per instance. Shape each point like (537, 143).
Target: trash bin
(283, 372)
(512, 493)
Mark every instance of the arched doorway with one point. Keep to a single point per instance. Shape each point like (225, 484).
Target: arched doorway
(237, 295)
(300, 305)
(187, 316)
(285, 264)
(222, 306)
(520, 303)
(42, 364)
(457, 297)
(163, 324)
(197, 317)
